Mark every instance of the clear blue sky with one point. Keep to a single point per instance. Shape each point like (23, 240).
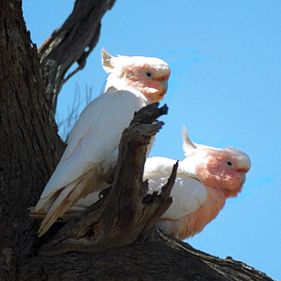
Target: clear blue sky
(225, 87)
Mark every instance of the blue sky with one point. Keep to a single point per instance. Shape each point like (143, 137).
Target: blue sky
(225, 87)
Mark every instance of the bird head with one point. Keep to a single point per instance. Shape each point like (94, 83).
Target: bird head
(144, 74)
(224, 169)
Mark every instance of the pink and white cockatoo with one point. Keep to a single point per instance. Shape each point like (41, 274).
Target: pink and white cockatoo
(205, 179)
(132, 83)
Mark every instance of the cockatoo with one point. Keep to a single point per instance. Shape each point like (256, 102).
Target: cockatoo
(205, 179)
(91, 152)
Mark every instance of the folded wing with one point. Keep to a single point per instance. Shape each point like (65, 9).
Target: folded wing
(92, 141)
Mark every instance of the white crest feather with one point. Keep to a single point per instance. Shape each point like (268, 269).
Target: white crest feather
(106, 60)
(188, 146)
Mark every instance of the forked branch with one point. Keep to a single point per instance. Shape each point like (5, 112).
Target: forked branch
(72, 42)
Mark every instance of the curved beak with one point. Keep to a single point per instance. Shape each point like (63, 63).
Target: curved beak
(244, 165)
(164, 84)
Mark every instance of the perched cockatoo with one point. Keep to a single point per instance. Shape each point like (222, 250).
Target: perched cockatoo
(205, 179)
(91, 152)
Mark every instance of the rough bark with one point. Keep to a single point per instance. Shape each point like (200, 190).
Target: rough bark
(140, 261)
(29, 145)
(72, 42)
(29, 151)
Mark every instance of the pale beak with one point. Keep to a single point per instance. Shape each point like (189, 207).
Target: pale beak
(164, 85)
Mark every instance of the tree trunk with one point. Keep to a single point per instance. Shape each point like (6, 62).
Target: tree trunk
(29, 151)
(29, 146)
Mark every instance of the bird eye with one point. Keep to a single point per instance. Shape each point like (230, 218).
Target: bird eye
(229, 163)
(148, 74)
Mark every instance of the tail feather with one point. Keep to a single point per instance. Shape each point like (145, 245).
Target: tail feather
(68, 215)
(63, 202)
(33, 213)
(68, 195)
(45, 203)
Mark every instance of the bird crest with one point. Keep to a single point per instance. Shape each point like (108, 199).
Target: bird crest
(106, 60)
(188, 146)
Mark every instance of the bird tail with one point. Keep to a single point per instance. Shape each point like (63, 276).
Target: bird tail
(33, 213)
(68, 215)
(64, 201)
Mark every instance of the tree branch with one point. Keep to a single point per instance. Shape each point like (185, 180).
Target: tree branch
(228, 268)
(140, 261)
(72, 42)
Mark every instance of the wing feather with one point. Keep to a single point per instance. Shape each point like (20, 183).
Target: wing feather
(188, 193)
(94, 137)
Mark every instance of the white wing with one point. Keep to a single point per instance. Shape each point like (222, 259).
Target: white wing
(93, 139)
(158, 165)
(188, 193)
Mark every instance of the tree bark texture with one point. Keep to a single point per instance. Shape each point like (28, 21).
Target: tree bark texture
(140, 261)
(30, 149)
